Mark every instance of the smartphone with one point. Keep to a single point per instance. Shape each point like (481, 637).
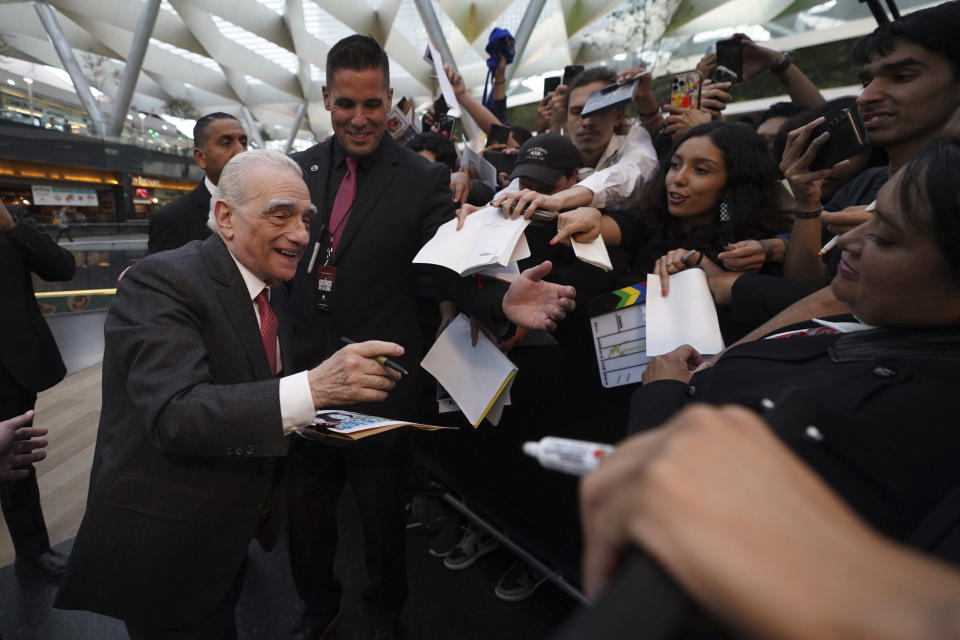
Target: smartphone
(501, 161)
(722, 74)
(570, 72)
(846, 139)
(440, 106)
(550, 84)
(730, 56)
(498, 134)
(685, 90)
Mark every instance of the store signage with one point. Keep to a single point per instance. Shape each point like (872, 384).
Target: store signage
(47, 195)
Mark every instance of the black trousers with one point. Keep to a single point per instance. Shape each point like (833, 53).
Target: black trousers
(378, 469)
(221, 624)
(20, 499)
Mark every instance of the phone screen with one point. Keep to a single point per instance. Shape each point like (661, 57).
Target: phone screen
(550, 84)
(730, 55)
(498, 134)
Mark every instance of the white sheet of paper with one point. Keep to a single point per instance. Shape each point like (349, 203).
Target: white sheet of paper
(486, 172)
(593, 252)
(475, 377)
(508, 273)
(433, 56)
(686, 316)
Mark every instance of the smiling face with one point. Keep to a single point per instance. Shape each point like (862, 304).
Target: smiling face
(268, 232)
(593, 133)
(893, 274)
(696, 181)
(908, 95)
(358, 102)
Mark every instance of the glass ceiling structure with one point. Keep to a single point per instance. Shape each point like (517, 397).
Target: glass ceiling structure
(268, 55)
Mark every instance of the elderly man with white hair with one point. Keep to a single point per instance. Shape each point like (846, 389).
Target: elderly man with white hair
(198, 401)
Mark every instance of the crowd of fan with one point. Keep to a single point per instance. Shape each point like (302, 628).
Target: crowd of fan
(746, 200)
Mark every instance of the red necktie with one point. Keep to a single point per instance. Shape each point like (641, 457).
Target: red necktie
(343, 202)
(268, 327)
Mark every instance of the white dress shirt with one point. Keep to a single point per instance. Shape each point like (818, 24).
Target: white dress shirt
(296, 401)
(627, 161)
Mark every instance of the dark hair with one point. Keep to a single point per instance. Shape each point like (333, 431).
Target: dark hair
(751, 196)
(589, 76)
(878, 156)
(929, 200)
(781, 110)
(200, 133)
(357, 53)
(935, 29)
(441, 146)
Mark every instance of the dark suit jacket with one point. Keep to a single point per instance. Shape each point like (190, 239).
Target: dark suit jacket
(401, 200)
(883, 403)
(180, 221)
(27, 348)
(190, 442)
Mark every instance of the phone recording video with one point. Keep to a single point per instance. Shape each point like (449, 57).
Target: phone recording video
(730, 57)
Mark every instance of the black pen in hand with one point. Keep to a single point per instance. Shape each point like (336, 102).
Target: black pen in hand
(384, 360)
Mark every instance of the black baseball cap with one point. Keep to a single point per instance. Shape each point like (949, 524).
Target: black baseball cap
(546, 158)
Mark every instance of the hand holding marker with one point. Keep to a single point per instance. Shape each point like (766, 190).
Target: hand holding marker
(384, 360)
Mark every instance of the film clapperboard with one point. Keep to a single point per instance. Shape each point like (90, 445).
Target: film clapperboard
(619, 323)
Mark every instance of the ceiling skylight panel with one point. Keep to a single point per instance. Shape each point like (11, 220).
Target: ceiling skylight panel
(187, 55)
(260, 46)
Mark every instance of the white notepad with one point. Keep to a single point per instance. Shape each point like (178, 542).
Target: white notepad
(475, 377)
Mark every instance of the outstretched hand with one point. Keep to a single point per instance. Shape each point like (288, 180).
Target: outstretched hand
(532, 303)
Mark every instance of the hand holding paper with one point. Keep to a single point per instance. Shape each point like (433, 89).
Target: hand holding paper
(687, 316)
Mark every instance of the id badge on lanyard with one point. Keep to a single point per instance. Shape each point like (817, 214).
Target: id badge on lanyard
(326, 282)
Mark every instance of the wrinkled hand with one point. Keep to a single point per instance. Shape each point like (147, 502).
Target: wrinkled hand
(757, 59)
(460, 186)
(525, 202)
(679, 365)
(839, 222)
(456, 81)
(746, 255)
(353, 375)
(714, 97)
(20, 446)
(680, 120)
(798, 154)
(532, 303)
(581, 224)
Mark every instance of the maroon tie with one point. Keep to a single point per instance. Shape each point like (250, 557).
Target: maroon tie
(343, 202)
(268, 327)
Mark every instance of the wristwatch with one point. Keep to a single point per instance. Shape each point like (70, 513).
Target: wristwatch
(782, 66)
(806, 215)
